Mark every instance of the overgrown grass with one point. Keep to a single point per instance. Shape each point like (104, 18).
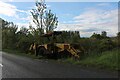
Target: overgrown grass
(108, 60)
(17, 52)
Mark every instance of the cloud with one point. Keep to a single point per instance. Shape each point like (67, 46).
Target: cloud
(11, 0)
(7, 9)
(48, 6)
(62, 0)
(26, 25)
(68, 27)
(94, 20)
(20, 17)
(104, 20)
(65, 0)
(103, 4)
(10, 10)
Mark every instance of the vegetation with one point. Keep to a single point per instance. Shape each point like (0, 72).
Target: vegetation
(19, 53)
(107, 59)
(45, 21)
(99, 49)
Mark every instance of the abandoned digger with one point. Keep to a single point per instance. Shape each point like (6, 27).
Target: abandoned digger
(54, 49)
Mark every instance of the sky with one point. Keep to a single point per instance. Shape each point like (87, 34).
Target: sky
(85, 17)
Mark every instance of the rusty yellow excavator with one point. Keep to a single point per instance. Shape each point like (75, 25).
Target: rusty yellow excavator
(54, 49)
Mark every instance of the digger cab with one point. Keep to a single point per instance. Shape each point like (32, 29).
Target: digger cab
(54, 33)
(53, 36)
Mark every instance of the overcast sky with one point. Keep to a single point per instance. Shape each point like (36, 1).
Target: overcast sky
(86, 17)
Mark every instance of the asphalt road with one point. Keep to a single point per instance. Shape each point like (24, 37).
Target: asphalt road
(22, 67)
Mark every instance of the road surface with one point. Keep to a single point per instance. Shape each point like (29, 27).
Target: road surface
(22, 67)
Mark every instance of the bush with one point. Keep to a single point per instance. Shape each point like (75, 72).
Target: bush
(106, 44)
(108, 59)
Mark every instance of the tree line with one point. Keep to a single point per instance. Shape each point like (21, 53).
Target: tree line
(22, 39)
(46, 22)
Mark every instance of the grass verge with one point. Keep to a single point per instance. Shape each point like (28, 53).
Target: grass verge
(107, 60)
(17, 52)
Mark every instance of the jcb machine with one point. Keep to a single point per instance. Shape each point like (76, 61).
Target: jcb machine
(54, 49)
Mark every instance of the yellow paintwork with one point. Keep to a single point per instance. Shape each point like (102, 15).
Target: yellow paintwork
(61, 47)
(69, 49)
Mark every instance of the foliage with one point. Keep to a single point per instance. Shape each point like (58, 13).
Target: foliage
(69, 37)
(96, 36)
(118, 34)
(23, 42)
(23, 38)
(98, 51)
(44, 20)
(50, 21)
(108, 59)
(106, 44)
(104, 34)
(8, 35)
